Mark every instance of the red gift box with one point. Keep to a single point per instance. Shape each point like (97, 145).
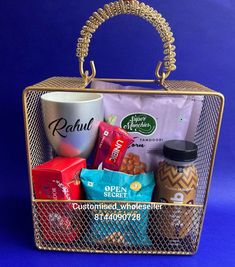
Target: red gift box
(58, 179)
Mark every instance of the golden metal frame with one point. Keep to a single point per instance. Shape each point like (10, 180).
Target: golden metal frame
(196, 89)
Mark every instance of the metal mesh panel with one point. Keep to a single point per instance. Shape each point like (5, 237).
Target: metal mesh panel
(161, 227)
(205, 138)
(59, 226)
(40, 150)
(60, 83)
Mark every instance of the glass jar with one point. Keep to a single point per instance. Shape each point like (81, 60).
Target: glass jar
(177, 177)
(177, 181)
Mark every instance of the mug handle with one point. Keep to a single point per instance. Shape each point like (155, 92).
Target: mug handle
(132, 7)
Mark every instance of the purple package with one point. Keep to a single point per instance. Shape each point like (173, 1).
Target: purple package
(151, 120)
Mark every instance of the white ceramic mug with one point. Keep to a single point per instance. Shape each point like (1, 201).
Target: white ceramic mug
(71, 121)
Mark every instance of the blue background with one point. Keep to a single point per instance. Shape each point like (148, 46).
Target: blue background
(38, 40)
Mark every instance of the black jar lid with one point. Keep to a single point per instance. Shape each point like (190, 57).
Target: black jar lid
(180, 150)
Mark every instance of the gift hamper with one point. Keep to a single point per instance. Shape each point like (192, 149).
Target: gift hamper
(121, 169)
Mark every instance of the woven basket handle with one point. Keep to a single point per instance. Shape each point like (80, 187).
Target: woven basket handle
(132, 7)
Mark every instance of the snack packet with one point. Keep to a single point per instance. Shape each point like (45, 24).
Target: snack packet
(112, 145)
(151, 120)
(118, 223)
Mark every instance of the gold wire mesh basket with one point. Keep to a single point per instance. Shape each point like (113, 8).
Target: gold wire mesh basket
(156, 219)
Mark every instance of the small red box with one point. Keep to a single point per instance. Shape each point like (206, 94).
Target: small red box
(58, 179)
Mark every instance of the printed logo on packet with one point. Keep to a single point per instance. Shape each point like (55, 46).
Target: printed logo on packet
(136, 186)
(142, 123)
